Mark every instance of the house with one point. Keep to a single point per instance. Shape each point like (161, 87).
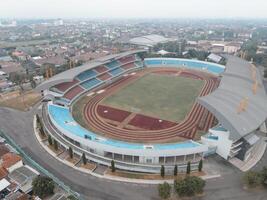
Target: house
(232, 47)
(11, 161)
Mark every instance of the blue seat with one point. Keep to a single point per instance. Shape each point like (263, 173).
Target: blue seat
(116, 71)
(86, 75)
(91, 83)
(113, 64)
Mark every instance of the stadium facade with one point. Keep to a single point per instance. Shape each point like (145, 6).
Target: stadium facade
(238, 104)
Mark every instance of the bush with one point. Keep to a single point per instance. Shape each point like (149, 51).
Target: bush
(113, 168)
(175, 170)
(43, 186)
(50, 140)
(188, 167)
(263, 175)
(164, 190)
(70, 152)
(162, 171)
(200, 165)
(84, 159)
(189, 186)
(55, 145)
(252, 179)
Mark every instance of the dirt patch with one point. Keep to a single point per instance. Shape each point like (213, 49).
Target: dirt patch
(20, 101)
(145, 176)
(89, 166)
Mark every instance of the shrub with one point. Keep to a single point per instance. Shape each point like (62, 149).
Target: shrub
(263, 175)
(252, 179)
(200, 165)
(43, 186)
(162, 171)
(189, 186)
(70, 152)
(50, 140)
(55, 145)
(175, 170)
(164, 190)
(188, 167)
(113, 168)
(84, 159)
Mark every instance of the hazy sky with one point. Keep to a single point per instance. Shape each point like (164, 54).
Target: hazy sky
(133, 8)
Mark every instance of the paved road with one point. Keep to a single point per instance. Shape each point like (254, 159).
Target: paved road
(19, 126)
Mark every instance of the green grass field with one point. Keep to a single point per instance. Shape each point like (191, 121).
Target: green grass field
(162, 96)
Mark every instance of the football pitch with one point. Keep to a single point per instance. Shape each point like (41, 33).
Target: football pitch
(166, 97)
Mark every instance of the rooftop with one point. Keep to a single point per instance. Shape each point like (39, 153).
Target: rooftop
(239, 103)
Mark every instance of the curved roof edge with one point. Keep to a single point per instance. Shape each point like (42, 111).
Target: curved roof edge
(237, 106)
(70, 74)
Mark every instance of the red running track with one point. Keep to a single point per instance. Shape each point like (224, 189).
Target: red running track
(186, 129)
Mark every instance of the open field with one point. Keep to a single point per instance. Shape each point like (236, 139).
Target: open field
(161, 96)
(20, 101)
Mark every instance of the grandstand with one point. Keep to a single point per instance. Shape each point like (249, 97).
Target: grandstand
(225, 110)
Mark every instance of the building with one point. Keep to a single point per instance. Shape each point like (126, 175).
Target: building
(149, 40)
(234, 103)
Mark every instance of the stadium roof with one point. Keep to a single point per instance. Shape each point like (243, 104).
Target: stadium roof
(70, 74)
(238, 107)
(149, 40)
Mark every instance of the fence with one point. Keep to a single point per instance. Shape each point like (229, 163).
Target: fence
(38, 167)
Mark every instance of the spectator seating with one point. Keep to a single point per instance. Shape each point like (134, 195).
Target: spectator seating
(116, 71)
(104, 76)
(101, 69)
(73, 92)
(113, 64)
(65, 86)
(91, 83)
(86, 75)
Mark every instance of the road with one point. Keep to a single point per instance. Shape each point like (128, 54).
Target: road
(18, 125)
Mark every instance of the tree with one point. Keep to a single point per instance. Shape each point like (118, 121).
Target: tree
(43, 186)
(164, 190)
(84, 159)
(70, 152)
(113, 168)
(263, 175)
(55, 145)
(252, 179)
(200, 165)
(162, 171)
(265, 73)
(189, 186)
(175, 170)
(188, 167)
(50, 140)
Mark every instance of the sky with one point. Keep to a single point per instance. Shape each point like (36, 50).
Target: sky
(133, 9)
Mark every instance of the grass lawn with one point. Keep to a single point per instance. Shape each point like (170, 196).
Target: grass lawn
(78, 109)
(21, 102)
(162, 96)
(133, 175)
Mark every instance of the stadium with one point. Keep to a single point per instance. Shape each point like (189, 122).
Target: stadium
(144, 113)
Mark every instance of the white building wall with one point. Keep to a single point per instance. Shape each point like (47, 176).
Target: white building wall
(15, 166)
(223, 143)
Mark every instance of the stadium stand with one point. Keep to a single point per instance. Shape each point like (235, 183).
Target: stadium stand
(86, 75)
(101, 69)
(128, 66)
(73, 92)
(127, 59)
(116, 71)
(62, 87)
(91, 83)
(113, 64)
(104, 76)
